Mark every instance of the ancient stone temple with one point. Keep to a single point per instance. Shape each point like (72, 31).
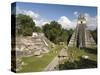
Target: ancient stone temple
(37, 44)
(81, 36)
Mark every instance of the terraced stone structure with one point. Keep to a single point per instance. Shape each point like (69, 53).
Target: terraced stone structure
(35, 45)
(81, 37)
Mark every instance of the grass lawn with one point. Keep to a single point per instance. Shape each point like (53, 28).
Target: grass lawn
(76, 61)
(35, 64)
(75, 53)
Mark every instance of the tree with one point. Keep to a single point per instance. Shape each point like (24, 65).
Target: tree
(37, 29)
(64, 35)
(94, 34)
(70, 32)
(24, 25)
(55, 33)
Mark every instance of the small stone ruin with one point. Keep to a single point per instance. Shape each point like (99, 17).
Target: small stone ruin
(37, 44)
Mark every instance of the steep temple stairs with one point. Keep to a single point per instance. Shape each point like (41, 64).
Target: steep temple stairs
(81, 36)
(89, 41)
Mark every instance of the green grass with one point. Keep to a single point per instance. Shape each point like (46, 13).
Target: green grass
(76, 53)
(35, 64)
(76, 61)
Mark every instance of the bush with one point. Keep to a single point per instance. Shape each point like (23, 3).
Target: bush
(24, 25)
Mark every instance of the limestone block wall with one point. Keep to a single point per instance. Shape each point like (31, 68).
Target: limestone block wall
(89, 41)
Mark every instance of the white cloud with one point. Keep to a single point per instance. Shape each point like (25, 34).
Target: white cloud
(67, 24)
(31, 14)
(91, 21)
(39, 21)
(27, 12)
(45, 22)
(76, 13)
(73, 24)
(64, 21)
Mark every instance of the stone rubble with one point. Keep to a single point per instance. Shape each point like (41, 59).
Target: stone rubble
(32, 45)
(26, 46)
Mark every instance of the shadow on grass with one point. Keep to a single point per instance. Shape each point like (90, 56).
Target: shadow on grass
(91, 50)
(82, 64)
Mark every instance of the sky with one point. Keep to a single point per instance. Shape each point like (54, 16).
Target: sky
(66, 15)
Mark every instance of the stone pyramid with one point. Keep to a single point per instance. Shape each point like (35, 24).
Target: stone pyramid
(81, 37)
(89, 41)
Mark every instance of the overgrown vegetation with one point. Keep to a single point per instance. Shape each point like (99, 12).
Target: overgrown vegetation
(76, 60)
(55, 33)
(25, 25)
(94, 34)
(34, 63)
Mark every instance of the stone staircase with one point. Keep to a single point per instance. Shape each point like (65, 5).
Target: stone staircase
(27, 46)
(72, 41)
(89, 41)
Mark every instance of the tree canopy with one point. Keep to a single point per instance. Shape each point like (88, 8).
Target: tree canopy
(24, 25)
(55, 33)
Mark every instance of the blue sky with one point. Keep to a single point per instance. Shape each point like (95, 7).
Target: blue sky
(54, 11)
(65, 15)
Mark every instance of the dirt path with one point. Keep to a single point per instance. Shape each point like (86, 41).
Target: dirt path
(55, 62)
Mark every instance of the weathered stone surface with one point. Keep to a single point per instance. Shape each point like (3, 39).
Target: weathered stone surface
(72, 42)
(36, 44)
(45, 50)
(81, 37)
(34, 34)
(37, 53)
(85, 57)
